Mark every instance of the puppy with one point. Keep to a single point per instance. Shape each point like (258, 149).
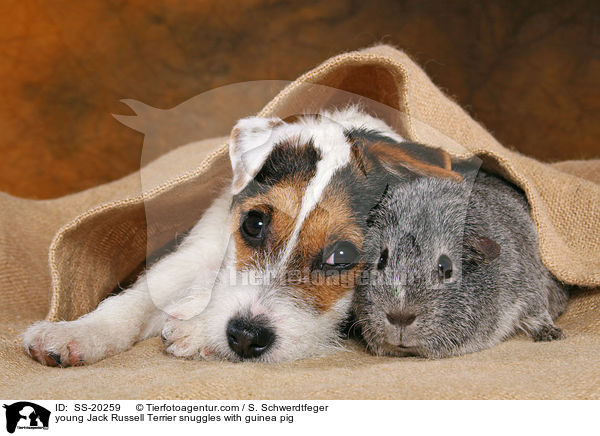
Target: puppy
(268, 273)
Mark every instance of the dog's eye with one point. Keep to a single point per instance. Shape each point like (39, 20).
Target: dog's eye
(254, 224)
(383, 258)
(444, 268)
(342, 255)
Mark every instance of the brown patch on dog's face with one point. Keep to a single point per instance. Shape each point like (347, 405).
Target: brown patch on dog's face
(330, 222)
(280, 205)
(276, 193)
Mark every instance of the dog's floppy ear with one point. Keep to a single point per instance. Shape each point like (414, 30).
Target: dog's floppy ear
(416, 158)
(401, 157)
(249, 147)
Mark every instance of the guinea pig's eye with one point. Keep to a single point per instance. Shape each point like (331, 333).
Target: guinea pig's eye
(444, 268)
(253, 226)
(383, 258)
(342, 255)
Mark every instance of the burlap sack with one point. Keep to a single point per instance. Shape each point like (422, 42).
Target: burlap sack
(61, 257)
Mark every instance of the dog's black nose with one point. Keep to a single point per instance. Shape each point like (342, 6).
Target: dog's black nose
(401, 319)
(248, 338)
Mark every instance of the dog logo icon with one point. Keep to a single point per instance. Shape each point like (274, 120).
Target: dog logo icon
(26, 415)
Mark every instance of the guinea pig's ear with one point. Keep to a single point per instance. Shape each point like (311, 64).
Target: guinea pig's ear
(481, 249)
(249, 147)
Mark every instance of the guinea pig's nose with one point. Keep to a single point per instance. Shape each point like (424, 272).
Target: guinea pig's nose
(249, 338)
(401, 319)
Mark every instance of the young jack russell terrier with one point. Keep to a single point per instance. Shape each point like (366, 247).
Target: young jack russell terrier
(276, 284)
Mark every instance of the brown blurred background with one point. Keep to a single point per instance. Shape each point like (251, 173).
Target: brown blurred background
(529, 71)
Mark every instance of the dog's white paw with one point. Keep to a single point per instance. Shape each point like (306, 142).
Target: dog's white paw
(65, 343)
(186, 338)
(188, 307)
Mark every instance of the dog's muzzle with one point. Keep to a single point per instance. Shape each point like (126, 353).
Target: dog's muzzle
(249, 338)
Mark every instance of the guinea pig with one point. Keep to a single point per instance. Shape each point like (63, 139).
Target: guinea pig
(452, 268)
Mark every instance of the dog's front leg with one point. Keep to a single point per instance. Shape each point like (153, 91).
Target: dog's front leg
(116, 324)
(186, 331)
(139, 312)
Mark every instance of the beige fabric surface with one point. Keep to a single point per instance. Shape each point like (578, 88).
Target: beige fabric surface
(61, 257)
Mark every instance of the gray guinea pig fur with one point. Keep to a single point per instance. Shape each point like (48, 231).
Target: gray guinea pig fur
(452, 268)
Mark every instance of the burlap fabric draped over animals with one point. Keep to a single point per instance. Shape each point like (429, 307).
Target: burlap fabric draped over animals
(60, 257)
